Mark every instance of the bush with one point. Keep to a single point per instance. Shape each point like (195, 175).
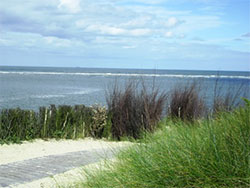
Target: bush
(133, 111)
(186, 103)
(99, 121)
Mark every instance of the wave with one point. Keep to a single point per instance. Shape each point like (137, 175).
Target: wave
(86, 91)
(129, 75)
(46, 96)
(31, 97)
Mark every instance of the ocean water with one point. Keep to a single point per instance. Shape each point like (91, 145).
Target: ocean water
(32, 87)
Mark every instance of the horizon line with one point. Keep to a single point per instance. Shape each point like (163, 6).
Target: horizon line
(123, 68)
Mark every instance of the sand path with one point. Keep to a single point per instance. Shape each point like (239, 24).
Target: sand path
(22, 164)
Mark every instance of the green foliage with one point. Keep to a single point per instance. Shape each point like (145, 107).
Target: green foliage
(17, 124)
(68, 122)
(211, 153)
(107, 129)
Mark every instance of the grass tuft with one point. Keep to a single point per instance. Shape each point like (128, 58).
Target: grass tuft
(134, 109)
(186, 103)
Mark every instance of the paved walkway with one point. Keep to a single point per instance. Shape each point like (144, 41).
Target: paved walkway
(33, 169)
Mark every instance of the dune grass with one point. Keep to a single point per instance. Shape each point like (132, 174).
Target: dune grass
(62, 122)
(187, 103)
(205, 153)
(134, 109)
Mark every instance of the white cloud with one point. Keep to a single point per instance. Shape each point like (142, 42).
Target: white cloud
(110, 30)
(169, 34)
(58, 42)
(72, 5)
(103, 29)
(172, 22)
(140, 21)
(139, 32)
(105, 17)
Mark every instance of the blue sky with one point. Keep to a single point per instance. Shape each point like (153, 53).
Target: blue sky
(157, 34)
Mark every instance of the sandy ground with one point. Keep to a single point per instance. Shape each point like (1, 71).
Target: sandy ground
(39, 148)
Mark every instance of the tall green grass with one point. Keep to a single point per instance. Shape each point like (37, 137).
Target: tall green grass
(208, 153)
(68, 122)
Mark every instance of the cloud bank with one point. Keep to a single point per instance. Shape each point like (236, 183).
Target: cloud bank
(103, 30)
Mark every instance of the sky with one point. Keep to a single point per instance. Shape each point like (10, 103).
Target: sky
(144, 34)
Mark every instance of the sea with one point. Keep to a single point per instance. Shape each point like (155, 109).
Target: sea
(33, 87)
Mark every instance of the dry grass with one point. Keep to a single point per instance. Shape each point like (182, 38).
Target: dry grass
(134, 110)
(186, 103)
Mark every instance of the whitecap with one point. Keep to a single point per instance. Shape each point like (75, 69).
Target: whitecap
(46, 96)
(128, 75)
